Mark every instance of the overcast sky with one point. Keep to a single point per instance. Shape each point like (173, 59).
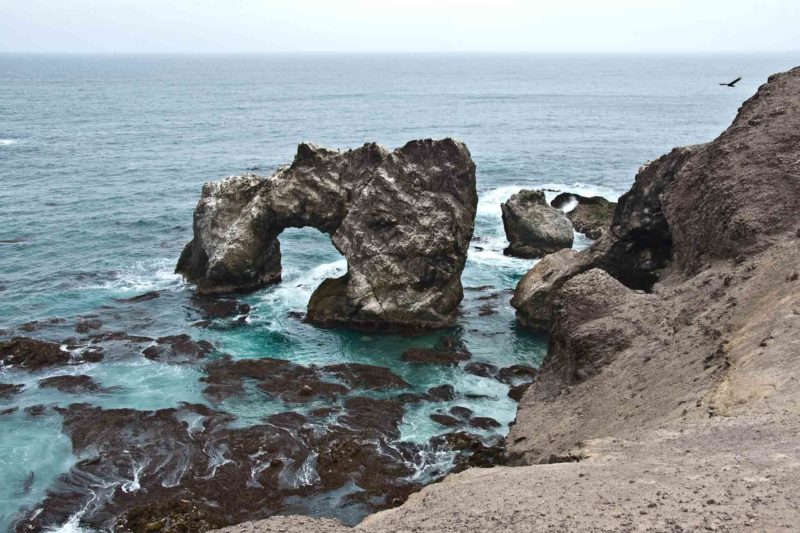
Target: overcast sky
(106, 26)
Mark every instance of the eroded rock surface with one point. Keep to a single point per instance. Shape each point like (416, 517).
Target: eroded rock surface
(591, 216)
(533, 228)
(402, 219)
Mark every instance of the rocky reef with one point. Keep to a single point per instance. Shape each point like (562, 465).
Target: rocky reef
(668, 400)
(533, 228)
(402, 219)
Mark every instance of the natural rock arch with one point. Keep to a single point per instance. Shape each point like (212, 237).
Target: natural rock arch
(402, 219)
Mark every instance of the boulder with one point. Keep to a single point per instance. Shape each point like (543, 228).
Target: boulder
(533, 297)
(402, 219)
(533, 228)
(448, 351)
(590, 215)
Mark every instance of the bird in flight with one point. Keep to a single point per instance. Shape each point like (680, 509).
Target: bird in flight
(733, 83)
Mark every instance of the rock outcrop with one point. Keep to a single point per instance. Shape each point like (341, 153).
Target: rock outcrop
(533, 228)
(402, 219)
(590, 215)
(535, 291)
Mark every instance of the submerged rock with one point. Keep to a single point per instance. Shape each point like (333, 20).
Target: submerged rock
(442, 393)
(484, 370)
(484, 422)
(445, 420)
(178, 349)
(402, 219)
(533, 228)
(282, 379)
(368, 377)
(8, 389)
(31, 353)
(87, 324)
(71, 384)
(448, 351)
(212, 308)
(591, 215)
(146, 297)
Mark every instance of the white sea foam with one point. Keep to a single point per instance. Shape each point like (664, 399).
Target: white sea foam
(296, 286)
(489, 202)
(490, 252)
(584, 189)
(144, 276)
(7, 142)
(71, 526)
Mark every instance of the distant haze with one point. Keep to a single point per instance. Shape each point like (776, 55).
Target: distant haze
(107, 26)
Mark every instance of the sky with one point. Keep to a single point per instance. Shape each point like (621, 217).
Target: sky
(229, 26)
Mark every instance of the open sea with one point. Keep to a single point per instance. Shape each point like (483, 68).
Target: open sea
(102, 160)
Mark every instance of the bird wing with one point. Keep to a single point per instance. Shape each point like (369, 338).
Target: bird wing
(737, 80)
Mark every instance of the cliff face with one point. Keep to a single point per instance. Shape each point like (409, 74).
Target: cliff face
(670, 396)
(402, 219)
(711, 231)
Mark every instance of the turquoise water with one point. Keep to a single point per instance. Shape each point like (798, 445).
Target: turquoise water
(102, 160)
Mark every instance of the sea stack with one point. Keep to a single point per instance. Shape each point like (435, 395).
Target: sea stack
(533, 228)
(402, 219)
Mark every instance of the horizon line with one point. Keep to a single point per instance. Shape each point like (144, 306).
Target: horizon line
(391, 52)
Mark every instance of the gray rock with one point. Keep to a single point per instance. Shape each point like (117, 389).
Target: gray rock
(533, 297)
(533, 228)
(591, 216)
(402, 219)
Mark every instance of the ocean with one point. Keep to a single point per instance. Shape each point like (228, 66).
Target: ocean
(101, 163)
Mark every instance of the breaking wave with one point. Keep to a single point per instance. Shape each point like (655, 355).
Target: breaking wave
(143, 276)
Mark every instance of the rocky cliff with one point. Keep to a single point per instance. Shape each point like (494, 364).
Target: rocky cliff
(402, 219)
(670, 396)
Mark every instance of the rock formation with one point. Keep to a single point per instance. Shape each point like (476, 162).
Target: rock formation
(590, 216)
(668, 400)
(533, 228)
(402, 219)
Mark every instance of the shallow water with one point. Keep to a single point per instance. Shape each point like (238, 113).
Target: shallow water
(102, 159)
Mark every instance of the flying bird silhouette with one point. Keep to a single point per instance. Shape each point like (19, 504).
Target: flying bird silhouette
(733, 83)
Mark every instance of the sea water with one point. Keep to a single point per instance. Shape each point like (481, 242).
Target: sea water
(102, 160)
